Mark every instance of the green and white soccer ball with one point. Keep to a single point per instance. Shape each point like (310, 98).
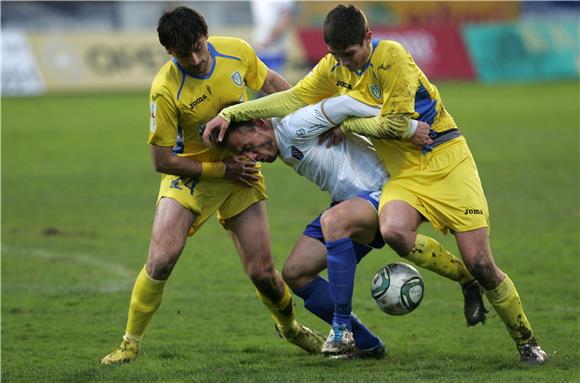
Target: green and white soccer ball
(397, 288)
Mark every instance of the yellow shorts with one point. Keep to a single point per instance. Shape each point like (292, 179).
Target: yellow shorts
(444, 186)
(206, 196)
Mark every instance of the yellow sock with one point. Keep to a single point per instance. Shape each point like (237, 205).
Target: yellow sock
(282, 311)
(145, 299)
(430, 255)
(506, 302)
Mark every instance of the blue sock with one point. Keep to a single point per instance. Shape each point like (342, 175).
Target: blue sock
(316, 296)
(341, 269)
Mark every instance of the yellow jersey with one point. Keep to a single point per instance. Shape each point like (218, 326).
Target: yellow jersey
(181, 104)
(390, 78)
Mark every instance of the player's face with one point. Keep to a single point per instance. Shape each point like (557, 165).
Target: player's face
(197, 61)
(257, 144)
(355, 56)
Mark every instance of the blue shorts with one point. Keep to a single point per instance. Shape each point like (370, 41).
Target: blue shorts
(314, 230)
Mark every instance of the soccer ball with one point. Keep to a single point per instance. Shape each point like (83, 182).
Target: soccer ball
(397, 288)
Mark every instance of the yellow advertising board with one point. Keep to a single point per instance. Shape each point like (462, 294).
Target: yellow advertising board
(94, 61)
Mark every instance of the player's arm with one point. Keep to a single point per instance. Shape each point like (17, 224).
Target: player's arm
(237, 168)
(399, 84)
(313, 88)
(274, 83)
(162, 138)
(274, 105)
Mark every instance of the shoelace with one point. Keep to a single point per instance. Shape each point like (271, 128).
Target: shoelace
(338, 331)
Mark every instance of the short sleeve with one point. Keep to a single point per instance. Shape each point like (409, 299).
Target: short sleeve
(257, 71)
(163, 118)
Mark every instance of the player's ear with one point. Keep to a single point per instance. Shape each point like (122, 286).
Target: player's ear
(368, 37)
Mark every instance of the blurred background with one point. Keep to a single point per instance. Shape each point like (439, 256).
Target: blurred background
(86, 46)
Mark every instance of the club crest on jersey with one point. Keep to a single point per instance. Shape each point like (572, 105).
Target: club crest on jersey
(296, 153)
(237, 78)
(301, 133)
(376, 91)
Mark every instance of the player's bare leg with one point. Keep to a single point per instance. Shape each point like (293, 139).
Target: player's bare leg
(301, 272)
(353, 219)
(399, 222)
(170, 227)
(501, 293)
(251, 236)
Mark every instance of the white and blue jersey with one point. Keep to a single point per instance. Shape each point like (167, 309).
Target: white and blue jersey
(346, 170)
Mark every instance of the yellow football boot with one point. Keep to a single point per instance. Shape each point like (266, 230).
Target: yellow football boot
(125, 353)
(303, 337)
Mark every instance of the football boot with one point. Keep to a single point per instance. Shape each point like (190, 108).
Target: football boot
(474, 309)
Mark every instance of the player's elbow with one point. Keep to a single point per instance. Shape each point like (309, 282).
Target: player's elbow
(161, 164)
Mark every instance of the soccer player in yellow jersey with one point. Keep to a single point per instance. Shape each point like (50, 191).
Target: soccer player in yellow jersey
(433, 174)
(205, 75)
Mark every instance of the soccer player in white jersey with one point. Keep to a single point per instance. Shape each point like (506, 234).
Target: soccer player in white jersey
(438, 182)
(338, 238)
(204, 75)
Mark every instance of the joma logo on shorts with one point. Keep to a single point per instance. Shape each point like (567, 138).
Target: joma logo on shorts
(343, 84)
(197, 101)
(473, 211)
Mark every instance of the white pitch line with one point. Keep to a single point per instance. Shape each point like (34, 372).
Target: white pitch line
(115, 269)
(111, 267)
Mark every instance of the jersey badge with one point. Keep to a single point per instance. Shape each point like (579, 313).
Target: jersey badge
(237, 78)
(296, 153)
(301, 133)
(376, 91)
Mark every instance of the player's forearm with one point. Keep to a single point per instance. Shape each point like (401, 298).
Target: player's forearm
(186, 167)
(274, 105)
(337, 109)
(394, 126)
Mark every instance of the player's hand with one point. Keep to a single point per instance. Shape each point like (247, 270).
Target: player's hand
(217, 124)
(421, 137)
(241, 169)
(333, 137)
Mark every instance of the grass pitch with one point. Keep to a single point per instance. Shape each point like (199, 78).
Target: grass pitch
(77, 205)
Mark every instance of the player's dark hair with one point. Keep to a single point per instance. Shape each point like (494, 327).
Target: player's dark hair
(345, 26)
(234, 127)
(179, 30)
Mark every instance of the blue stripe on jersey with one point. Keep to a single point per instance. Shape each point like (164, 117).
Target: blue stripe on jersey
(425, 106)
(183, 77)
(216, 53)
(212, 53)
(361, 71)
(178, 148)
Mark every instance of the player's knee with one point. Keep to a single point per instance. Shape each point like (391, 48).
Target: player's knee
(160, 268)
(481, 267)
(261, 274)
(397, 238)
(334, 225)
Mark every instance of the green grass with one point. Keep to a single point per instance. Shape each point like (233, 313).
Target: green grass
(77, 205)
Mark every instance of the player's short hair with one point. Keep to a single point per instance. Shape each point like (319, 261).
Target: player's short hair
(181, 29)
(235, 126)
(345, 26)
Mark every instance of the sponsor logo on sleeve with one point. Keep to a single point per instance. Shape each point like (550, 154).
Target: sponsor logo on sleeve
(152, 125)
